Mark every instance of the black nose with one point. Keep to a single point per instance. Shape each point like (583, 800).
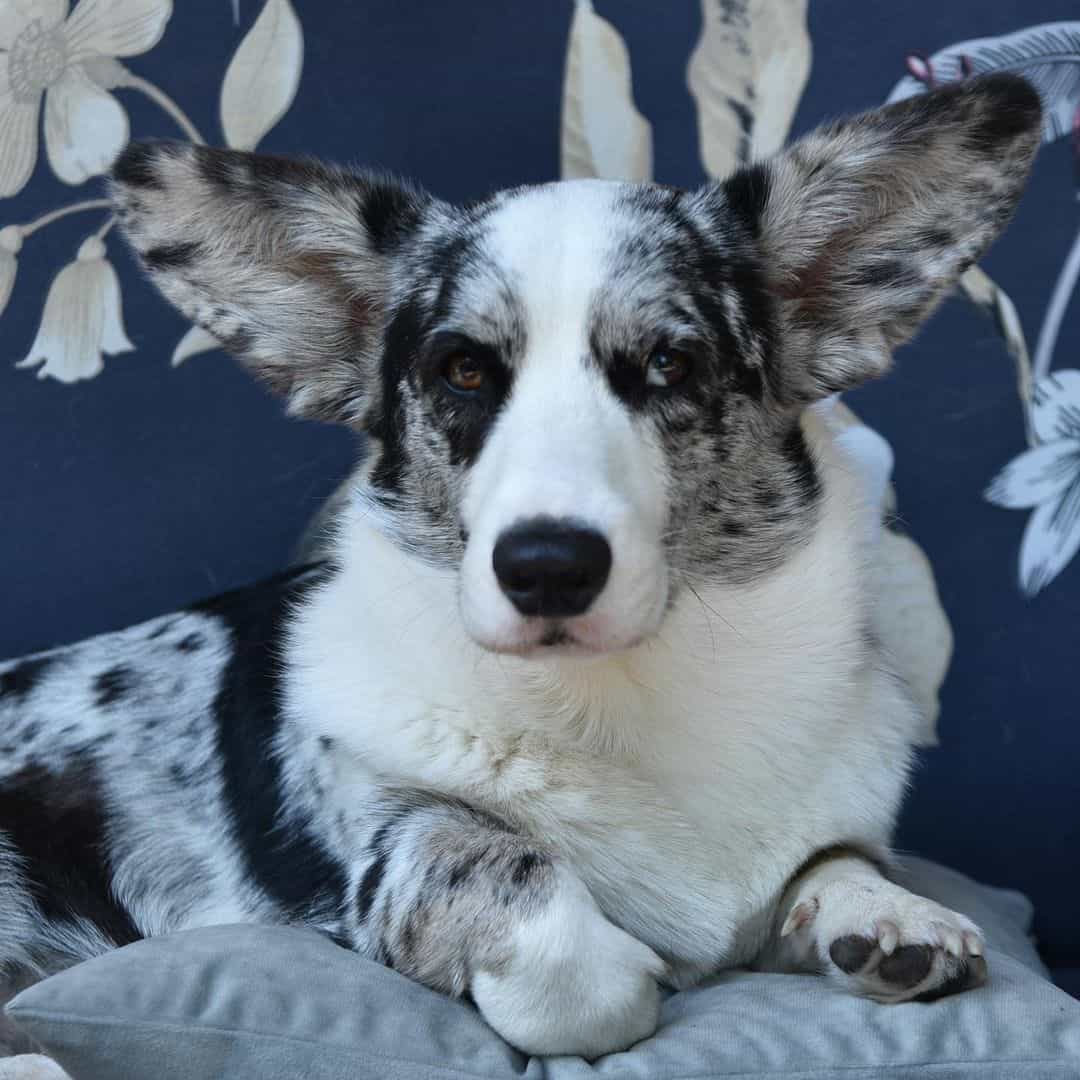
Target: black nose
(549, 567)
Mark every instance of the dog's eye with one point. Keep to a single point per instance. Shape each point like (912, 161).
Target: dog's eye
(464, 373)
(667, 367)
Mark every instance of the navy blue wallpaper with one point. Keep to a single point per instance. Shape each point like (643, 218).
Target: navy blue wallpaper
(140, 489)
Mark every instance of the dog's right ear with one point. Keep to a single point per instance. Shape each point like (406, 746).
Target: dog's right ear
(288, 263)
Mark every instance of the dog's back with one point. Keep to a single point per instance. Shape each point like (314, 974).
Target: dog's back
(139, 788)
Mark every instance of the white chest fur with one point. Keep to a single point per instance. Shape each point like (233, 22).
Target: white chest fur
(686, 778)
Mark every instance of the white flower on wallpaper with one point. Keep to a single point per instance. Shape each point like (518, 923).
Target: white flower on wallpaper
(53, 55)
(70, 61)
(1046, 480)
(1045, 476)
(82, 319)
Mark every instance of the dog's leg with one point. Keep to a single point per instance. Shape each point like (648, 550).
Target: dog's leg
(455, 899)
(840, 915)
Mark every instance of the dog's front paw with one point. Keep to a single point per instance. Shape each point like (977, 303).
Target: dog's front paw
(891, 945)
(572, 982)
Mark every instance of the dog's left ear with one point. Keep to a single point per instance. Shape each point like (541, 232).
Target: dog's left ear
(288, 263)
(864, 225)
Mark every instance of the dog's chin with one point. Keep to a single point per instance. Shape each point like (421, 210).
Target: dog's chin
(550, 639)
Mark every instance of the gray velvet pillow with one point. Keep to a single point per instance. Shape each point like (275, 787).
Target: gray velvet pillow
(263, 1003)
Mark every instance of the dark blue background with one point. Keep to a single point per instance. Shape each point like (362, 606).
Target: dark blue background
(135, 492)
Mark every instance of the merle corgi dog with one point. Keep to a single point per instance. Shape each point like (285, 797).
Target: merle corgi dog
(586, 698)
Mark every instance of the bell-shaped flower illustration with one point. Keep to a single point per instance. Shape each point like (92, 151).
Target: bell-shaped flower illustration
(10, 242)
(82, 319)
(1047, 480)
(47, 53)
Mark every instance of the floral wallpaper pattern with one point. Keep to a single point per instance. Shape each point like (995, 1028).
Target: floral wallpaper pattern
(1045, 477)
(61, 68)
(71, 60)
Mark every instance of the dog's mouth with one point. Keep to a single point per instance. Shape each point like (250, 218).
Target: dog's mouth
(549, 639)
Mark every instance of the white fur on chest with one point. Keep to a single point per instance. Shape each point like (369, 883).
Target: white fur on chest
(685, 779)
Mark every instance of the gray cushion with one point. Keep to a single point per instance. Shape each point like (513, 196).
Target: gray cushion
(276, 1004)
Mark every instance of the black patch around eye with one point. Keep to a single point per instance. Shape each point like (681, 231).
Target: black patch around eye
(464, 417)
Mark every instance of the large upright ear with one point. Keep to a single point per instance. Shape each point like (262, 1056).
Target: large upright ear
(288, 263)
(864, 225)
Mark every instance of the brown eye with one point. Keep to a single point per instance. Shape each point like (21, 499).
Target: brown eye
(667, 367)
(464, 374)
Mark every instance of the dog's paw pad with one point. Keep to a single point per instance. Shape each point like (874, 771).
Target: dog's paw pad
(893, 946)
(852, 952)
(907, 966)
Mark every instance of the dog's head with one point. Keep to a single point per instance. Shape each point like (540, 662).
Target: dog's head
(585, 396)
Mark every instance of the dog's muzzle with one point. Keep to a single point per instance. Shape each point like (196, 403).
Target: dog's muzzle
(551, 567)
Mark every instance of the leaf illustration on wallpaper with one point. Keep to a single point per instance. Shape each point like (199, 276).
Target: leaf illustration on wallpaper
(603, 134)
(263, 76)
(260, 84)
(746, 74)
(195, 341)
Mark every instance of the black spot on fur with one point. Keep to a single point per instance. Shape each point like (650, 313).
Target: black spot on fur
(190, 643)
(888, 274)
(326, 742)
(275, 837)
(907, 966)
(216, 166)
(525, 866)
(851, 953)
(389, 212)
(368, 888)
(1010, 107)
(801, 465)
(402, 340)
(136, 166)
(172, 256)
(20, 680)
(113, 685)
(747, 195)
(463, 869)
(161, 631)
(30, 731)
(57, 823)
(933, 238)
